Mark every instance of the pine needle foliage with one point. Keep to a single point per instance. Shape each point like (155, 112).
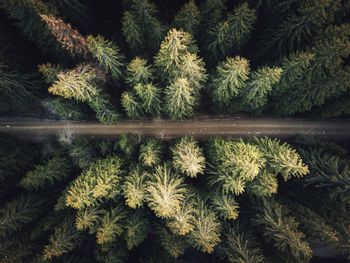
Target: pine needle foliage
(134, 187)
(173, 244)
(225, 206)
(131, 105)
(47, 174)
(150, 153)
(136, 228)
(138, 72)
(264, 185)
(149, 96)
(283, 232)
(100, 181)
(188, 18)
(188, 157)
(281, 158)
(88, 218)
(166, 191)
(107, 54)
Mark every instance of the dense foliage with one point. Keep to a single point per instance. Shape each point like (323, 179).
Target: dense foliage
(145, 200)
(174, 59)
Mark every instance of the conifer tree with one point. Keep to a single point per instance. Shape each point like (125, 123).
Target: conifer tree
(182, 222)
(88, 218)
(206, 232)
(149, 96)
(231, 35)
(188, 157)
(47, 174)
(264, 185)
(65, 109)
(229, 80)
(224, 205)
(336, 109)
(166, 191)
(63, 240)
(105, 111)
(19, 212)
(49, 72)
(212, 12)
(132, 32)
(68, 37)
(173, 244)
(329, 172)
(100, 181)
(240, 247)
(188, 18)
(259, 86)
(138, 72)
(136, 228)
(134, 187)
(150, 153)
(281, 158)
(131, 105)
(107, 54)
(282, 231)
(110, 225)
(236, 163)
(180, 100)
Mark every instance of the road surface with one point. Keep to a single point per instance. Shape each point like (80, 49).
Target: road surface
(201, 127)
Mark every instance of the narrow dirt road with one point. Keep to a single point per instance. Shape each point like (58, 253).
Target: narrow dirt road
(201, 127)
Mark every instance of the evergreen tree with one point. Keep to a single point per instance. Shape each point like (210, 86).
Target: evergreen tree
(236, 163)
(68, 37)
(336, 109)
(107, 54)
(138, 72)
(49, 72)
(135, 187)
(88, 218)
(228, 81)
(150, 98)
(100, 181)
(47, 174)
(212, 12)
(136, 228)
(63, 240)
(132, 32)
(259, 86)
(150, 153)
(206, 232)
(282, 231)
(166, 191)
(188, 18)
(240, 247)
(224, 205)
(264, 185)
(131, 105)
(173, 244)
(66, 109)
(230, 35)
(19, 212)
(188, 157)
(281, 158)
(110, 225)
(180, 100)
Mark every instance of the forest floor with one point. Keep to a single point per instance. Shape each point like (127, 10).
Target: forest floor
(200, 127)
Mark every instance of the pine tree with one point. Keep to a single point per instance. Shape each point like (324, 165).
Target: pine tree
(19, 212)
(298, 27)
(150, 98)
(228, 81)
(207, 228)
(264, 185)
(188, 157)
(150, 153)
(131, 105)
(173, 244)
(105, 111)
(134, 187)
(132, 32)
(110, 225)
(259, 86)
(282, 231)
(138, 72)
(100, 181)
(78, 84)
(236, 163)
(68, 37)
(281, 158)
(47, 174)
(64, 239)
(180, 100)
(107, 54)
(172, 49)
(329, 172)
(240, 247)
(230, 35)
(66, 109)
(166, 191)
(224, 205)
(49, 72)
(188, 18)
(212, 12)
(136, 228)
(88, 218)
